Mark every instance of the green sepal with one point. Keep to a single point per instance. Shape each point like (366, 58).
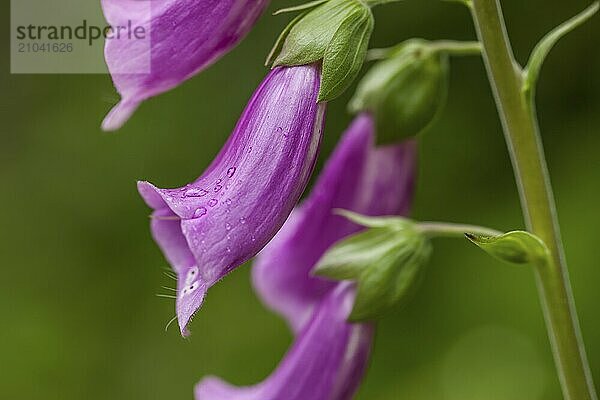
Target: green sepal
(541, 50)
(517, 247)
(309, 37)
(281, 39)
(385, 262)
(389, 284)
(350, 257)
(345, 54)
(406, 91)
(373, 3)
(336, 32)
(300, 7)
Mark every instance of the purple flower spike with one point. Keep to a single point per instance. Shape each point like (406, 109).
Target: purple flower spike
(329, 355)
(186, 36)
(211, 226)
(325, 363)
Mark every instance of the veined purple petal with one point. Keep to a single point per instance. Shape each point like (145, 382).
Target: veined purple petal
(358, 177)
(325, 362)
(186, 36)
(211, 226)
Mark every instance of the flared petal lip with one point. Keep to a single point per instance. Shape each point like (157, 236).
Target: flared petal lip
(155, 198)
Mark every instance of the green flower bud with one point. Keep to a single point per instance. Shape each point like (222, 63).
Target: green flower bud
(405, 91)
(385, 261)
(516, 247)
(336, 32)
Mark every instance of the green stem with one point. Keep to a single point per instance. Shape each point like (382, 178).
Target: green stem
(445, 229)
(525, 147)
(457, 48)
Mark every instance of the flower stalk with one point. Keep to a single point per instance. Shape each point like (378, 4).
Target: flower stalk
(519, 122)
(451, 230)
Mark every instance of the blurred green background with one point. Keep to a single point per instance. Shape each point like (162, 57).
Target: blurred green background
(80, 319)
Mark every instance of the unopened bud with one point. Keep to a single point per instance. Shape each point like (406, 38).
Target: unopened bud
(405, 91)
(385, 261)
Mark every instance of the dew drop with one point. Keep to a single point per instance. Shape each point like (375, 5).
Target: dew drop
(242, 220)
(213, 202)
(199, 212)
(228, 226)
(253, 238)
(228, 249)
(195, 192)
(218, 187)
(228, 202)
(230, 172)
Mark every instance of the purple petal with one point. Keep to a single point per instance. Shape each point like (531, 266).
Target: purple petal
(357, 177)
(325, 363)
(186, 36)
(234, 209)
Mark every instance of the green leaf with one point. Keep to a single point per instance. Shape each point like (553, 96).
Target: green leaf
(300, 7)
(517, 247)
(345, 54)
(541, 50)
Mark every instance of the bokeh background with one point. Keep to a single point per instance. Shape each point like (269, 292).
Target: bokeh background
(79, 316)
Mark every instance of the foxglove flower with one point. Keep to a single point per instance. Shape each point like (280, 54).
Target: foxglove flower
(329, 355)
(185, 37)
(211, 226)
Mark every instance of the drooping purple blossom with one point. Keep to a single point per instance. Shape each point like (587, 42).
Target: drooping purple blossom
(186, 36)
(226, 216)
(329, 355)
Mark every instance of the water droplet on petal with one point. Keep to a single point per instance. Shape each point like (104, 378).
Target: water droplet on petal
(228, 249)
(199, 212)
(230, 172)
(253, 238)
(218, 187)
(213, 202)
(228, 202)
(242, 220)
(195, 192)
(228, 226)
